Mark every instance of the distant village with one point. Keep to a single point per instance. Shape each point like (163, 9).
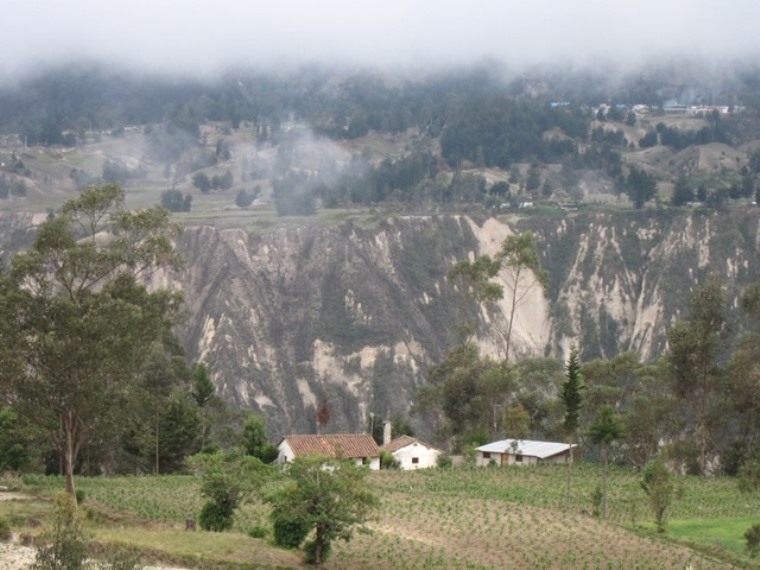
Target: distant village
(669, 108)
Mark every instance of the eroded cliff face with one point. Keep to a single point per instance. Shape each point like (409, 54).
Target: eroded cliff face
(357, 315)
(351, 315)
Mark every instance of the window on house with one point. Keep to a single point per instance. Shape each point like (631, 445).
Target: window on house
(486, 455)
(518, 458)
(365, 461)
(415, 460)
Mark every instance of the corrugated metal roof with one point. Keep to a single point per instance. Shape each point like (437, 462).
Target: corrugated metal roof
(339, 445)
(403, 441)
(540, 449)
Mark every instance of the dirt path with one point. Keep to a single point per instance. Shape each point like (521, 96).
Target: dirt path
(15, 557)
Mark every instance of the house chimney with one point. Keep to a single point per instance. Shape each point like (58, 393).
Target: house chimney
(386, 432)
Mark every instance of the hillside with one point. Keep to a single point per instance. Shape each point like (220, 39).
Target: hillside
(358, 313)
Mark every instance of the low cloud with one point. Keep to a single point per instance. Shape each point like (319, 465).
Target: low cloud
(204, 36)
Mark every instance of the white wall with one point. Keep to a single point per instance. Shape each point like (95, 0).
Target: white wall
(507, 459)
(374, 463)
(426, 457)
(286, 454)
(481, 461)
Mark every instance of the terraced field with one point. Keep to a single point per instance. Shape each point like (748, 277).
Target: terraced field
(460, 518)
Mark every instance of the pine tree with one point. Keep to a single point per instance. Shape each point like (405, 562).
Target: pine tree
(572, 398)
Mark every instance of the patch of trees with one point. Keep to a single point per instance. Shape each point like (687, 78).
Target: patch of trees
(609, 137)
(116, 172)
(650, 139)
(92, 379)
(391, 180)
(176, 201)
(679, 139)
(81, 178)
(638, 185)
(206, 184)
(713, 191)
(598, 157)
(479, 398)
(68, 303)
(498, 131)
(696, 406)
(245, 198)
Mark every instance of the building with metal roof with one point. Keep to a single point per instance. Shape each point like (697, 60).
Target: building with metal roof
(522, 452)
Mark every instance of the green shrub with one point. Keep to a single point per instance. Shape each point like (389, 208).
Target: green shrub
(387, 461)
(5, 530)
(216, 517)
(64, 546)
(33, 480)
(752, 537)
(80, 496)
(259, 531)
(658, 486)
(444, 461)
(596, 501)
(289, 533)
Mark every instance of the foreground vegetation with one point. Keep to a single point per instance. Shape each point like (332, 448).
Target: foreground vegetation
(455, 518)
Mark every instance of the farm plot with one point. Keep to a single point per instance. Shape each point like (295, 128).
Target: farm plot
(469, 518)
(441, 532)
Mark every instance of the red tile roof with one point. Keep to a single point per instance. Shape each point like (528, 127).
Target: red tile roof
(342, 445)
(403, 441)
(398, 443)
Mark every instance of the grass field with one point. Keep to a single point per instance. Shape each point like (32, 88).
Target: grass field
(460, 518)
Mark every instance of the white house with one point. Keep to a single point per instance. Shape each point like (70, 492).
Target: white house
(522, 452)
(360, 448)
(411, 453)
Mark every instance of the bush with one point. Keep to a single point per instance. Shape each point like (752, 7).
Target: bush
(289, 533)
(64, 546)
(259, 531)
(752, 536)
(216, 517)
(80, 496)
(388, 461)
(658, 486)
(226, 479)
(596, 501)
(444, 461)
(5, 530)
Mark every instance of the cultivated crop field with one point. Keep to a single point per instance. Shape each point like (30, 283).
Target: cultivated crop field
(458, 518)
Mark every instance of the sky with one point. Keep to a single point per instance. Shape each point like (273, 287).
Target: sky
(205, 36)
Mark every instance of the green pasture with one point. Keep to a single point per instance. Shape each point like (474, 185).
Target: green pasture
(719, 533)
